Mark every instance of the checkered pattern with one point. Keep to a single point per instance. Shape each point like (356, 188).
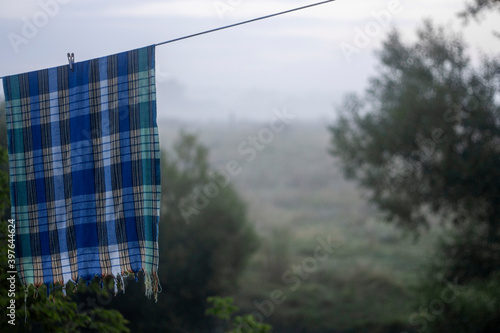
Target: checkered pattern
(85, 169)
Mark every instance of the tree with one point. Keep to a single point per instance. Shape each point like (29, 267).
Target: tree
(202, 215)
(424, 141)
(477, 7)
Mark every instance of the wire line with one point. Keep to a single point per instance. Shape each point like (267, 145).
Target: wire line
(244, 22)
(239, 23)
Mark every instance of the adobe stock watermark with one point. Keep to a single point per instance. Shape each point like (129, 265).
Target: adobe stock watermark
(12, 272)
(293, 278)
(435, 307)
(200, 196)
(32, 25)
(224, 6)
(363, 37)
(427, 147)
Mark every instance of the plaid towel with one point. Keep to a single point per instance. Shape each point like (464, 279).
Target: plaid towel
(85, 170)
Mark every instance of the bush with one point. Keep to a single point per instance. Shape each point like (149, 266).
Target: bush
(446, 307)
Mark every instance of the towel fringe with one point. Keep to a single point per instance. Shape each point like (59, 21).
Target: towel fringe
(151, 284)
(147, 284)
(122, 283)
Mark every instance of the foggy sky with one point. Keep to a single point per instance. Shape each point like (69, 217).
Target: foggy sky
(293, 61)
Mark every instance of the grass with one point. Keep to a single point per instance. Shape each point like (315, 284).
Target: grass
(295, 194)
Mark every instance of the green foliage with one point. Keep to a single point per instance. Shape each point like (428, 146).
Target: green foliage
(445, 300)
(217, 236)
(445, 307)
(424, 137)
(224, 309)
(205, 253)
(363, 286)
(467, 254)
(423, 141)
(477, 7)
(248, 324)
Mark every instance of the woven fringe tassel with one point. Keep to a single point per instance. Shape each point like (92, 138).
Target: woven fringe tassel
(151, 282)
(122, 283)
(25, 302)
(156, 282)
(147, 284)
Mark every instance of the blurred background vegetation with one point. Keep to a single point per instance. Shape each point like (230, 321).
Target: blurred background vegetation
(404, 186)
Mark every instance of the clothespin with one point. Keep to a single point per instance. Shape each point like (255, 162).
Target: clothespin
(71, 60)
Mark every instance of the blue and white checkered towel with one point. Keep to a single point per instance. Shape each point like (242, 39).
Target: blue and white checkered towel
(84, 166)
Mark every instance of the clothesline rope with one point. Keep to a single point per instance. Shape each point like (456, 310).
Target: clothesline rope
(244, 22)
(239, 23)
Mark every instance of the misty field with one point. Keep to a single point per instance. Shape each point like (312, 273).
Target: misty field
(327, 261)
